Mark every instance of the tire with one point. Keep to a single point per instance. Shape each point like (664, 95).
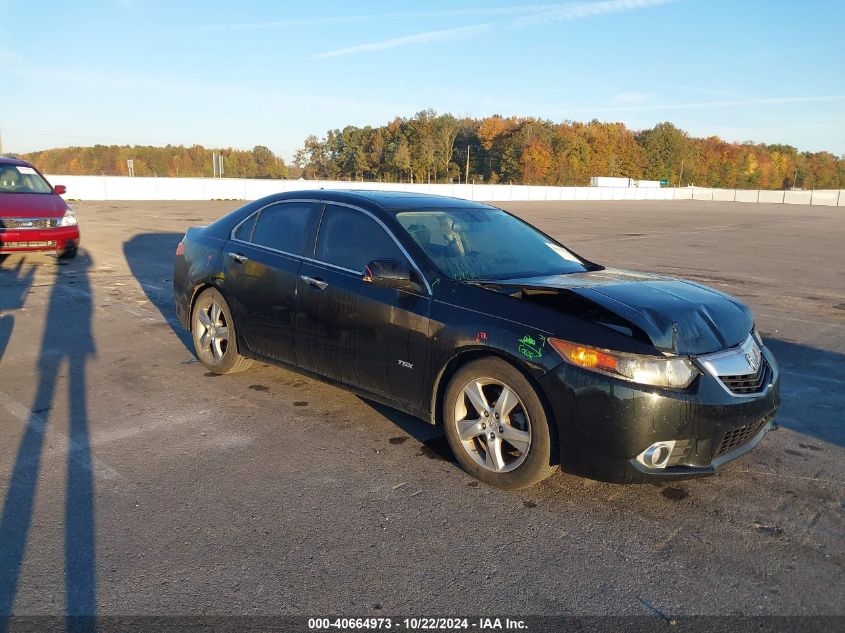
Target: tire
(68, 253)
(214, 335)
(520, 453)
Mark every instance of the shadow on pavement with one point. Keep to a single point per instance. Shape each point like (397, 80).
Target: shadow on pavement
(14, 286)
(65, 348)
(432, 439)
(812, 389)
(150, 258)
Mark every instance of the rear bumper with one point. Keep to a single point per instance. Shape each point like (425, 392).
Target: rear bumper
(604, 424)
(182, 291)
(27, 240)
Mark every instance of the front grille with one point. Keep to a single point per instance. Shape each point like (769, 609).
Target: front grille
(737, 437)
(28, 244)
(28, 223)
(749, 383)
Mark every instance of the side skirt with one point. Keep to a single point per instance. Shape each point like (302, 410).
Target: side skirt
(421, 414)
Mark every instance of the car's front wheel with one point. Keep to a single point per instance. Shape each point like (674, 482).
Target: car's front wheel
(497, 426)
(213, 331)
(68, 253)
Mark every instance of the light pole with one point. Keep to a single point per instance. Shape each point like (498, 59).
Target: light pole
(466, 176)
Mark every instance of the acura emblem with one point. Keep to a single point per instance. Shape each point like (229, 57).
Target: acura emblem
(752, 361)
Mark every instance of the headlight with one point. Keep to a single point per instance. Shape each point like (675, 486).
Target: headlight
(674, 371)
(69, 219)
(757, 336)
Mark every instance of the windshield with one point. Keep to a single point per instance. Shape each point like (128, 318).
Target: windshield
(475, 244)
(22, 179)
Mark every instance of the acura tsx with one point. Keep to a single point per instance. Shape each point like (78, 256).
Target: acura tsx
(459, 313)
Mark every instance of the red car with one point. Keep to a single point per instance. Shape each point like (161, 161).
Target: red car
(33, 215)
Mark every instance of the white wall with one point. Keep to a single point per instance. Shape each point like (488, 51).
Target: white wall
(828, 197)
(771, 196)
(747, 195)
(821, 197)
(124, 188)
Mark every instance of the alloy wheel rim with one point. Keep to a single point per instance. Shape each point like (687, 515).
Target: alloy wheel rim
(212, 332)
(492, 425)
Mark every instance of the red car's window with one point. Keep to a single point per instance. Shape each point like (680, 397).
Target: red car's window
(22, 179)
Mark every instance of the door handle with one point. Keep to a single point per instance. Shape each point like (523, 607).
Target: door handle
(238, 257)
(316, 283)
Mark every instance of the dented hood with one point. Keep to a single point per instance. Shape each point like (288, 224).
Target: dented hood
(678, 316)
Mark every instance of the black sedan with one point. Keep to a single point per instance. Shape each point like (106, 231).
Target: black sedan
(464, 315)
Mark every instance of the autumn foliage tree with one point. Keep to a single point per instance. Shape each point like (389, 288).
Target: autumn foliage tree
(171, 160)
(432, 147)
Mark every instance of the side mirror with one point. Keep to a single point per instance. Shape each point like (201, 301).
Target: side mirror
(388, 273)
(60, 189)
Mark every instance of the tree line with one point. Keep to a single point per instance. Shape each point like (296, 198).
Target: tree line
(522, 150)
(442, 148)
(172, 161)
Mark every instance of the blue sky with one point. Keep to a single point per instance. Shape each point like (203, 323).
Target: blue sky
(245, 73)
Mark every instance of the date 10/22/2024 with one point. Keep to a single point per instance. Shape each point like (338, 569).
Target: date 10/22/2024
(417, 624)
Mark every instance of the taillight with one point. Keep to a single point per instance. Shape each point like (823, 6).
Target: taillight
(180, 250)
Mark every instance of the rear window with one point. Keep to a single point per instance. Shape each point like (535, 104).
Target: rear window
(244, 232)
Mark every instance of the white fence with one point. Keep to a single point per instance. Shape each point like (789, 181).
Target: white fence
(820, 197)
(125, 188)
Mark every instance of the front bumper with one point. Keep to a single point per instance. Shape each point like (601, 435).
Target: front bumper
(604, 424)
(58, 239)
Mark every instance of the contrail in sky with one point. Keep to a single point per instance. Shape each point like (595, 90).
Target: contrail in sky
(536, 16)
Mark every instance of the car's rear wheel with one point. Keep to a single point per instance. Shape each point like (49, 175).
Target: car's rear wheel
(497, 426)
(213, 331)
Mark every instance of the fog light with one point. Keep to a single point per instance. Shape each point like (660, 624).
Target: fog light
(657, 455)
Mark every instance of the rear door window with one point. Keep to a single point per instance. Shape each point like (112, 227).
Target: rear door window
(284, 227)
(351, 239)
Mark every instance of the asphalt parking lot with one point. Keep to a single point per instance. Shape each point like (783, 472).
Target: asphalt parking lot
(135, 482)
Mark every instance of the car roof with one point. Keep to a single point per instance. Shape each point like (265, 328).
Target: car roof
(388, 200)
(8, 160)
